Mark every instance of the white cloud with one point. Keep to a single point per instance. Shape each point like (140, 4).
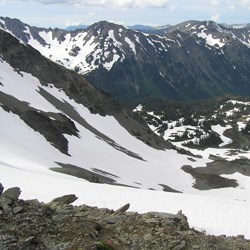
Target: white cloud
(139, 3)
(214, 2)
(48, 2)
(215, 17)
(101, 3)
(127, 3)
(173, 8)
(245, 3)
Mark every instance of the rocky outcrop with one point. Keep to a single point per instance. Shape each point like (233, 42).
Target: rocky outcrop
(31, 224)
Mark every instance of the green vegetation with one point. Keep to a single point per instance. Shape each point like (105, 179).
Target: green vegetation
(193, 121)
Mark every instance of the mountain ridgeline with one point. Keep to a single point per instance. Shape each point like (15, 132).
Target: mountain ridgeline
(191, 60)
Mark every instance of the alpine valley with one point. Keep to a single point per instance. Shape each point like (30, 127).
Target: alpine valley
(66, 126)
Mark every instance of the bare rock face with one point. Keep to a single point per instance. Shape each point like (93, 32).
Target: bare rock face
(58, 225)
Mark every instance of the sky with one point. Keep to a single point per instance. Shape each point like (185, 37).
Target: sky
(64, 13)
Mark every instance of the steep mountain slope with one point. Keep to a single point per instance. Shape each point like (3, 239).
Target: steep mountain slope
(47, 106)
(188, 61)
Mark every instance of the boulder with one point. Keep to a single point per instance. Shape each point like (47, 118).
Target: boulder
(12, 193)
(66, 199)
(1, 188)
(183, 220)
(17, 210)
(123, 208)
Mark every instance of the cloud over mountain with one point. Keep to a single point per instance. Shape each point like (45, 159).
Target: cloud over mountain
(218, 4)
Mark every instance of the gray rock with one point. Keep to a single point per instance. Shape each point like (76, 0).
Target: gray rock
(17, 210)
(58, 218)
(196, 247)
(5, 201)
(6, 240)
(12, 193)
(69, 227)
(66, 199)
(7, 211)
(183, 220)
(152, 220)
(180, 246)
(30, 239)
(1, 188)
(240, 236)
(147, 237)
(123, 208)
(5, 205)
(113, 219)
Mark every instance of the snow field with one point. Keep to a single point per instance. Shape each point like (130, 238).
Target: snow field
(26, 158)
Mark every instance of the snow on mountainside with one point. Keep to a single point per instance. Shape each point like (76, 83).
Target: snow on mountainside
(82, 51)
(236, 26)
(51, 143)
(205, 57)
(143, 167)
(214, 34)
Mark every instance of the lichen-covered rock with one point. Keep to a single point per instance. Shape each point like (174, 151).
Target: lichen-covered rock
(12, 193)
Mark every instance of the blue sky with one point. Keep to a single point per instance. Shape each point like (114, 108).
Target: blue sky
(63, 13)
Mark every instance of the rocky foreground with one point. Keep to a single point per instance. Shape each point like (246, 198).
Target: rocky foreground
(31, 224)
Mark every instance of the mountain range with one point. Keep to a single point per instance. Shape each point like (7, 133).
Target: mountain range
(155, 29)
(188, 61)
(62, 131)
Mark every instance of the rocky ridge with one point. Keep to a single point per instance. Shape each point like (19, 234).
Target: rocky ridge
(30, 224)
(189, 61)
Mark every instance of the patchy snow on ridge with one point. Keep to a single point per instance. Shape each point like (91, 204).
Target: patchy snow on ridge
(220, 130)
(131, 44)
(60, 51)
(210, 40)
(238, 102)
